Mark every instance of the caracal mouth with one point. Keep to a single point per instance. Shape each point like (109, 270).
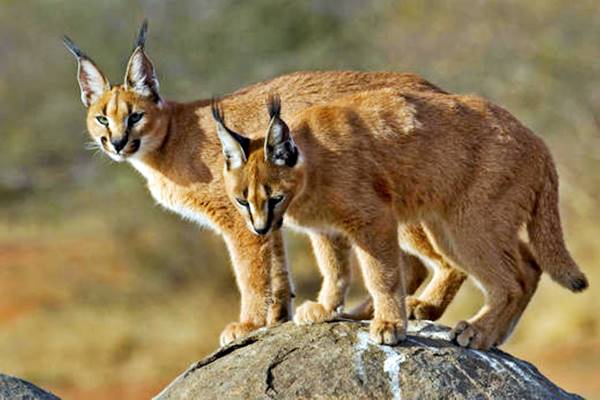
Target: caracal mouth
(134, 147)
(131, 150)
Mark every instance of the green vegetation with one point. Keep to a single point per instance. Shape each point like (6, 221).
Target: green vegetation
(104, 295)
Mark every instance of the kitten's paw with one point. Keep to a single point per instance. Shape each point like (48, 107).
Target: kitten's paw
(470, 335)
(236, 330)
(312, 312)
(422, 310)
(387, 332)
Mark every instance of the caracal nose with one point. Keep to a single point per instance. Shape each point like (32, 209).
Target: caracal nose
(120, 143)
(262, 231)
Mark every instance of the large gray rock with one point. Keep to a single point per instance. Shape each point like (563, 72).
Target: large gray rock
(337, 361)
(12, 388)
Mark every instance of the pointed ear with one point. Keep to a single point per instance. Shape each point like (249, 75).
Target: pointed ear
(280, 148)
(235, 147)
(141, 76)
(91, 80)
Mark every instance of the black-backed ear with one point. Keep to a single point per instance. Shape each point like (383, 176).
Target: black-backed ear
(280, 148)
(91, 80)
(235, 146)
(141, 76)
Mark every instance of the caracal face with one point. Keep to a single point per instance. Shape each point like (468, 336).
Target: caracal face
(262, 177)
(124, 124)
(125, 121)
(262, 192)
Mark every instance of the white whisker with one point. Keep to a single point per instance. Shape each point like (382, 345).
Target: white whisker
(92, 145)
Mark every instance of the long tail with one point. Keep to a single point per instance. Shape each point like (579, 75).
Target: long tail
(546, 237)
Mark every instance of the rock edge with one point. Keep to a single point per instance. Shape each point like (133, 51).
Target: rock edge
(337, 361)
(12, 388)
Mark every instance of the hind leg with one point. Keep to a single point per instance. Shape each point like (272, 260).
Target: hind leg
(415, 272)
(493, 264)
(529, 276)
(438, 294)
(489, 326)
(446, 280)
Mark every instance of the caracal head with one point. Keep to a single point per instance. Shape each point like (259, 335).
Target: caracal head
(262, 177)
(128, 120)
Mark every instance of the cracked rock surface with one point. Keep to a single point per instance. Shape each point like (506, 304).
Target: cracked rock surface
(337, 361)
(12, 388)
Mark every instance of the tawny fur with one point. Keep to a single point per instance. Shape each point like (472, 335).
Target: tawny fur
(465, 169)
(174, 147)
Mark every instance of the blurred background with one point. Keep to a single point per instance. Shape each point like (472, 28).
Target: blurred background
(105, 295)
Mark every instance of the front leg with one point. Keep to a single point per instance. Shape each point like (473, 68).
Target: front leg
(281, 284)
(251, 258)
(333, 258)
(415, 273)
(379, 257)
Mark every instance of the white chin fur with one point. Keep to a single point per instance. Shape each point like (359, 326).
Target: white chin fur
(115, 157)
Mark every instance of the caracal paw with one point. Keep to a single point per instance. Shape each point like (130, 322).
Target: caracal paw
(236, 330)
(312, 312)
(422, 310)
(472, 336)
(387, 332)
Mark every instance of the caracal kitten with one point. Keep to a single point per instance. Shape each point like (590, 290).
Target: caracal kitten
(364, 165)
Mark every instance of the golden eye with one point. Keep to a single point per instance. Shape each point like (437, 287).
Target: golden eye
(242, 202)
(134, 118)
(102, 119)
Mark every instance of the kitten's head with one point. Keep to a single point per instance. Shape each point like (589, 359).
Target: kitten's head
(262, 177)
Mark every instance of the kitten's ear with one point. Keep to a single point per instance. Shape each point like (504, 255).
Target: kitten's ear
(280, 148)
(235, 147)
(141, 76)
(91, 80)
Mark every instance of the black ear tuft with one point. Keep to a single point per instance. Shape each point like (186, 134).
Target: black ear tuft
(141, 39)
(279, 145)
(73, 48)
(274, 106)
(141, 75)
(225, 133)
(92, 81)
(217, 111)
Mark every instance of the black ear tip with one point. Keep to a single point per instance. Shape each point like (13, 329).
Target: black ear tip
(144, 27)
(217, 111)
(72, 47)
(141, 39)
(67, 41)
(274, 106)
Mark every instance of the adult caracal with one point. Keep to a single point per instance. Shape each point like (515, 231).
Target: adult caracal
(171, 144)
(365, 164)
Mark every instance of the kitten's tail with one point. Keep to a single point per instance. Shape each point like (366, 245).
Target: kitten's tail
(546, 237)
